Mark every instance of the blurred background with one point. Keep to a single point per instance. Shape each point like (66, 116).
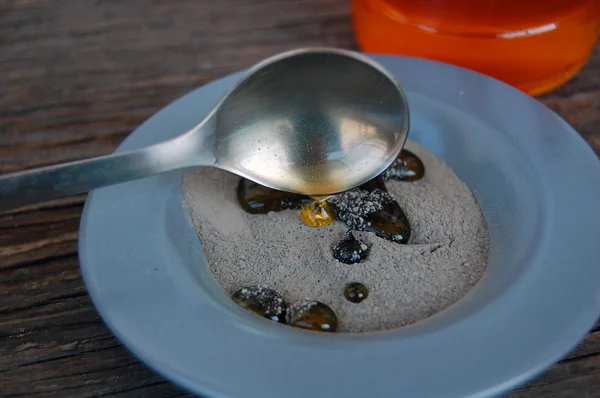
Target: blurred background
(77, 76)
(96, 69)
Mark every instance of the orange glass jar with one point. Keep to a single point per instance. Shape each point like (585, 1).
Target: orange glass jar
(535, 45)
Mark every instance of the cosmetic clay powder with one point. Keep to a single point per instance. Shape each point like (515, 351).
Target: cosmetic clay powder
(444, 258)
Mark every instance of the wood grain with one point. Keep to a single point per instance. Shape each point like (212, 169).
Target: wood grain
(76, 76)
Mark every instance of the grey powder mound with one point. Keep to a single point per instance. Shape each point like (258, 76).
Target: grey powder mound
(445, 257)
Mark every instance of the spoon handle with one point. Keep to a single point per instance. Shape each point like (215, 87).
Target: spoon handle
(46, 183)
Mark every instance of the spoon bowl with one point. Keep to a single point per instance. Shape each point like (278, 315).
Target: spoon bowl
(309, 121)
(315, 122)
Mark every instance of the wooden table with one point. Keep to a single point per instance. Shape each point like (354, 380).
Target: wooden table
(76, 77)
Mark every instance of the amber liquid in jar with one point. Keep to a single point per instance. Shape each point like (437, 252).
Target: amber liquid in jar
(534, 45)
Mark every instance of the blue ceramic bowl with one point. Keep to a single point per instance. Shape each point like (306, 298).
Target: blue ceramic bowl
(536, 180)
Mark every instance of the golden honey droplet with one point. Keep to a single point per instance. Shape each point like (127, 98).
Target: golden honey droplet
(407, 167)
(312, 315)
(257, 199)
(317, 214)
(263, 301)
(356, 292)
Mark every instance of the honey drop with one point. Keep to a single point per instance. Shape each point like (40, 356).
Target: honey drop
(317, 214)
(350, 250)
(257, 199)
(389, 223)
(407, 167)
(312, 315)
(263, 301)
(371, 208)
(356, 292)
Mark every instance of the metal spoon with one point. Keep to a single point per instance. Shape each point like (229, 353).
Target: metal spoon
(311, 121)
